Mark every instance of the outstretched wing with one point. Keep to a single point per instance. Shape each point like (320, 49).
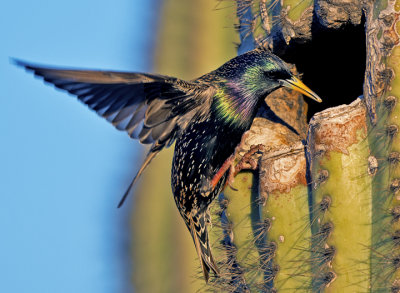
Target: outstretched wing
(152, 108)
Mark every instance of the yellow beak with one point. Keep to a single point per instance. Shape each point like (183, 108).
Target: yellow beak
(297, 85)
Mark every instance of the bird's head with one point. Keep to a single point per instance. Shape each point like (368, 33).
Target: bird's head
(259, 72)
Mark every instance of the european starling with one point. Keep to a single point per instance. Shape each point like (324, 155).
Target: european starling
(206, 117)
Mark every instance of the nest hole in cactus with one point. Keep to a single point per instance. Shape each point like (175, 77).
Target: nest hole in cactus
(332, 64)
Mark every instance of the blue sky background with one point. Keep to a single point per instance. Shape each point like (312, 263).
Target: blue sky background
(64, 169)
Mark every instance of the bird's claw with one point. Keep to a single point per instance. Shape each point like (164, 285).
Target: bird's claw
(248, 162)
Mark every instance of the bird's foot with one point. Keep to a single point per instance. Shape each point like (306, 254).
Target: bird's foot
(249, 161)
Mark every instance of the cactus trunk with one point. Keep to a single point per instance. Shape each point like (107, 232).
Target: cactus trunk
(339, 154)
(320, 212)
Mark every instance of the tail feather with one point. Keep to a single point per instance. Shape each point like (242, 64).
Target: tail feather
(199, 233)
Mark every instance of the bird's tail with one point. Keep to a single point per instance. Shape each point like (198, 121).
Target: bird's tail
(198, 229)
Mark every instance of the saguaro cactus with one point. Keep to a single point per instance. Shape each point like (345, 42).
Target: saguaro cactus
(320, 210)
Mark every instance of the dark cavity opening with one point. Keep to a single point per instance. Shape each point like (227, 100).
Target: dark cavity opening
(332, 64)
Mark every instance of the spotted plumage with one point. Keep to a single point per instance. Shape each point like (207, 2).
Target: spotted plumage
(206, 117)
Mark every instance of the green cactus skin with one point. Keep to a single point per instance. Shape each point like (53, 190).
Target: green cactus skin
(287, 210)
(243, 212)
(296, 8)
(339, 151)
(382, 94)
(283, 216)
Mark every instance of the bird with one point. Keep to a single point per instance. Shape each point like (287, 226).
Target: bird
(205, 118)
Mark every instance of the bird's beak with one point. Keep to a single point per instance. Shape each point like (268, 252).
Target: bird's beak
(297, 85)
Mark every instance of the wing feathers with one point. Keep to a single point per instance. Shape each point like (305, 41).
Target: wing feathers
(92, 76)
(137, 117)
(119, 96)
(156, 109)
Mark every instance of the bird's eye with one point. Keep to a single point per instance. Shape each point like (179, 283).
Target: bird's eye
(277, 74)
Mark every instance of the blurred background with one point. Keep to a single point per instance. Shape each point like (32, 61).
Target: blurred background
(64, 169)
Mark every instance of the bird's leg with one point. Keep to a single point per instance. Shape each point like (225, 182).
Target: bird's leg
(227, 165)
(210, 185)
